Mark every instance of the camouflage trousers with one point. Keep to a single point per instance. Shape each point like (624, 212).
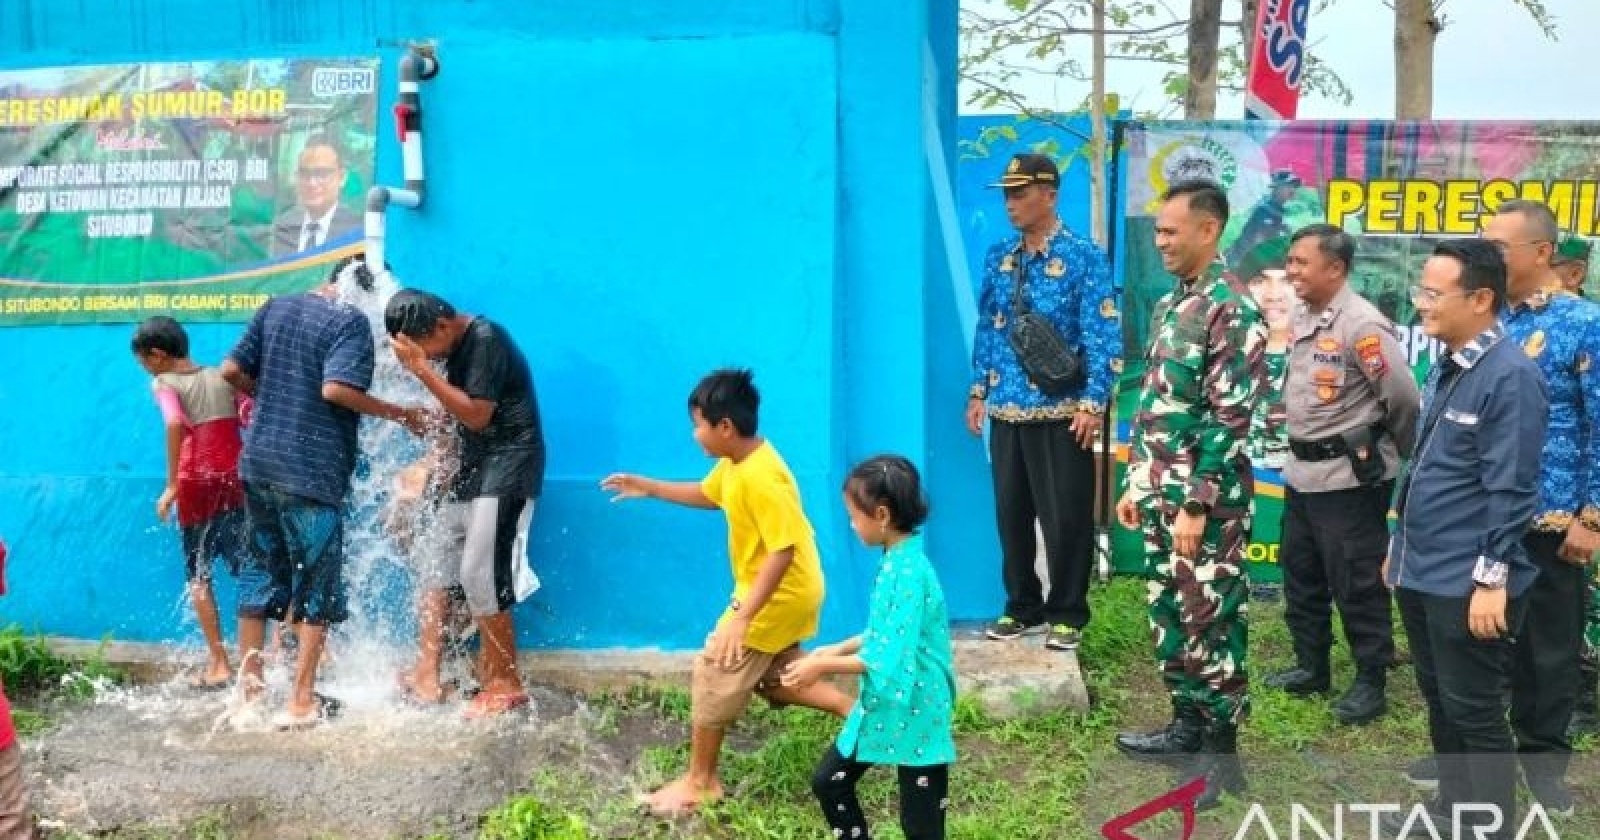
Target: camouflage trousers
(1198, 611)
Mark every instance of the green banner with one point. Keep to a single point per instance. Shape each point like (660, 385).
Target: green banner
(193, 189)
(1397, 187)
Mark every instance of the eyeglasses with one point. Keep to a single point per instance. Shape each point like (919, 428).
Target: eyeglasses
(1505, 247)
(1424, 296)
(316, 173)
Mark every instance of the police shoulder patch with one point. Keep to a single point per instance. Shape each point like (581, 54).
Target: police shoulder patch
(1370, 349)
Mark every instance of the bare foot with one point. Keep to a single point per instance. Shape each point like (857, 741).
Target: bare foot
(219, 672)
(682, 796)
(421, 688)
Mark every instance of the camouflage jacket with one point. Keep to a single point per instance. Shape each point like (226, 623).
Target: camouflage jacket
(1205, 371)
(1561, 333)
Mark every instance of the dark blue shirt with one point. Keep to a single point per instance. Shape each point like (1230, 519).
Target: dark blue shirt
(297, 441)
(1474, 480)
(1561, 334)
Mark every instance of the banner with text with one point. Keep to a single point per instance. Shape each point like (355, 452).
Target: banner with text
(1397, 187)
(193, 189)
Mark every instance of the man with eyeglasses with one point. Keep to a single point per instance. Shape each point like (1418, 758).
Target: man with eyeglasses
(317, 217)
(1561, 334)
(1457, 562)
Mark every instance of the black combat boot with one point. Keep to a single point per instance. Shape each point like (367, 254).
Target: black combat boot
(1303, 679)
(1219, 763)
(1179, 740)
(1365, 702)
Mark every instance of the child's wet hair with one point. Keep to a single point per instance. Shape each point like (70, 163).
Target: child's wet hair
(357, 263)
(892, 482)
(729, 394)
(414, 313)
(159, 332)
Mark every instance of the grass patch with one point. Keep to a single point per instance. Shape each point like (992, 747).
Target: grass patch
(1045, 777)
(35, 676)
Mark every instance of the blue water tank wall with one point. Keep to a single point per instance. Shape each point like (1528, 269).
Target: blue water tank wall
(640, 192)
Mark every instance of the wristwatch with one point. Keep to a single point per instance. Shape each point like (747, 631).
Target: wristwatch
(1194, 507)
(1490, 574)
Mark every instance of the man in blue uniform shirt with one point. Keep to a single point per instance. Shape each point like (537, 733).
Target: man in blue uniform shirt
(1041, 443)
(1457, 562)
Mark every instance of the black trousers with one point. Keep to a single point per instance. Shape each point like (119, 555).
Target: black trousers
(1331, 552)
(1546, 675)
(1466, 683)
(1041, 472)
(923, 792)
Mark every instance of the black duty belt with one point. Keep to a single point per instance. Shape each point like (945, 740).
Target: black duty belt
(1326, 449)
(1337, 446)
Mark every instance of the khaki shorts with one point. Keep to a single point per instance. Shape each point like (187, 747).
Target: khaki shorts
(718, 695)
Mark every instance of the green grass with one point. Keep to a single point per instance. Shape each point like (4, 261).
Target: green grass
(1042, 778)
(34, 676)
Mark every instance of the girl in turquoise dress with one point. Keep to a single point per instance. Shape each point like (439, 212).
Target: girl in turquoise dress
(908, 688)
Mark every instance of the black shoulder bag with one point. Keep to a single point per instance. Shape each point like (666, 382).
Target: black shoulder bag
(1052, 366)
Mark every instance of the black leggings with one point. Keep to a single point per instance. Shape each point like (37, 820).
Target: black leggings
(923, 792)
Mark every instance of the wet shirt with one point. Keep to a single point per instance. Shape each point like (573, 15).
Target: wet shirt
(1347, 371)
(297, 441)
(1205, 372)
(505, 458)
(904, 714)
(761, 501)
(1561, 334)
(1474, 481)
(207, 408)
(1069, 284)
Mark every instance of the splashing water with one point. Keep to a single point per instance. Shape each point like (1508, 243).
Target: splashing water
(367, 650)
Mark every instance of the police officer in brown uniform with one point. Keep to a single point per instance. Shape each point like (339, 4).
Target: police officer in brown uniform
(1352, 409)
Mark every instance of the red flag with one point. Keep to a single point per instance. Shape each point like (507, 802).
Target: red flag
(1278, 60)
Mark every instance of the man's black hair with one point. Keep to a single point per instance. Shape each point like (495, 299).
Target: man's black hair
(414, 313)
(728, 394)
(1482, 266)
(1205, 196)
(1331, 241)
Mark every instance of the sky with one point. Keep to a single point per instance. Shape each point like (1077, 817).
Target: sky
(1491, 62)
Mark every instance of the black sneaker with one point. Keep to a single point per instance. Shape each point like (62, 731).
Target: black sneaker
(1424, 773)
(1007, 628)
(1063, 637)
(1553, 795)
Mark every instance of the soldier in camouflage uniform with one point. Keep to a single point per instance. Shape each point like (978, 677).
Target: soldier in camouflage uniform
(1190, 487)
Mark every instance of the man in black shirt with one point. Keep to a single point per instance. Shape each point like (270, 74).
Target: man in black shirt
(488, 391)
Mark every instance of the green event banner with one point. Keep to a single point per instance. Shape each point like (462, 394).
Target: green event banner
(1398, 188)
(193, 189)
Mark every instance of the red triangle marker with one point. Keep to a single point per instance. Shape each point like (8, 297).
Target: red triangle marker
(1184, 798)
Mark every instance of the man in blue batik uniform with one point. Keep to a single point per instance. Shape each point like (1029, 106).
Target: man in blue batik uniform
(1041, 445)
(1561, 333)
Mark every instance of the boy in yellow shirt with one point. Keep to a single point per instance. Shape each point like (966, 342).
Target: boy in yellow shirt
(777, 574)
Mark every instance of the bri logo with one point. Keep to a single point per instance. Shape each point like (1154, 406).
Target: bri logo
(342, 81)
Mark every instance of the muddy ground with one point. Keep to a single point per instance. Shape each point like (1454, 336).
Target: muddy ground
(154, 757)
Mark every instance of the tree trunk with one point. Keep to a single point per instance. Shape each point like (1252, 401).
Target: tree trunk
(1205, 30)
(1415, 30)
(1097, 117)
(1247, 34)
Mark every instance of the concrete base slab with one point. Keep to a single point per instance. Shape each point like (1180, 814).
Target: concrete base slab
(1007, 678)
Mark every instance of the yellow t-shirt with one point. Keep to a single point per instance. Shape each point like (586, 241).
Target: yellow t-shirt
(761, 500)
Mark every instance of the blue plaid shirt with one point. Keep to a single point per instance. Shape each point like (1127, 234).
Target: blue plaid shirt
(1561, 333)
(1069, 283)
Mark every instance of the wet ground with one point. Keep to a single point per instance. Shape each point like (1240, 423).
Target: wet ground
(163, 756)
